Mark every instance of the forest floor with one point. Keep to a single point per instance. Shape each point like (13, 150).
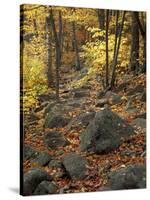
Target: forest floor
(75, 102)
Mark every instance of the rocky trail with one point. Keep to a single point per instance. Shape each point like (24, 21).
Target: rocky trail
(89, 141)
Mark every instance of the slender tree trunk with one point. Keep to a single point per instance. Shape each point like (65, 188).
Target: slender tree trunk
(101, 18)
(134, 55)
(49, 52)
(143, 33)
(116, 33)
(60, 29)
(58, 54)
(117, 52)
(107, 53)
(76, 46)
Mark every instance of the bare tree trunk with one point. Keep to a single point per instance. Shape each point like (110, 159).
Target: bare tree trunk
(134, 55)
(117, 52)
(143, 33)
(116, 33)
(49, 52)
(101, 18)
(76, 46)
(107, 53)
(58, 54)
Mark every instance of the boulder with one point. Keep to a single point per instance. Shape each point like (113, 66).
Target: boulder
(46, 187)
(83, 119)
(32, 178)
(55, 164)
(105, 133)
(75, 165)
(42, 159)
(54, 120)
(29, 152)
(131, 177)
(54, 139)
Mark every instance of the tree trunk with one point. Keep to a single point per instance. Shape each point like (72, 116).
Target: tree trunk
(134, 55)
(58, 54)
(143, 33)
(49, 52)
(107, 53)
(117, 52)
(77, 64)
(101, 18)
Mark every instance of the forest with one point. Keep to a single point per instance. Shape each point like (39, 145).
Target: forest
(82, 99)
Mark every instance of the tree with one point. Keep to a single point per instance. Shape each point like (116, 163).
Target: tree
(75, 43)
(134, 55)
(58, 53)
(49, 51)
(117, 52)
(143, 33)
(107, 53)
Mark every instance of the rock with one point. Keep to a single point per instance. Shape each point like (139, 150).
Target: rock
(75, 165)
(55, 120)
(130, 177)
(54, 139)
(46, 187)
(137, 89)
(139, 122)
(113, 98)
(32, 178)
(101, 102)
(55, 164)
(83, 119)
(42, 159)
(81, 93)
(105, 132)
(29, 152)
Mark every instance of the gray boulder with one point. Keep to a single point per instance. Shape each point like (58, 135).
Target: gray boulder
(29, 153)
(54, 139)
(54, 120)
(105, 133)
(46, 187)
(83, 119)
(32, 178)
(131, 177)
(42, 159)
(55, 164)
(75, 165)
